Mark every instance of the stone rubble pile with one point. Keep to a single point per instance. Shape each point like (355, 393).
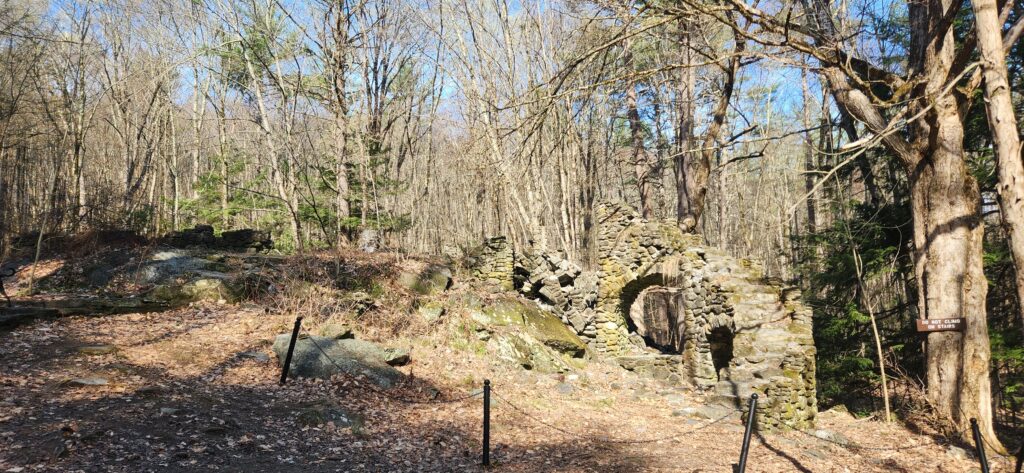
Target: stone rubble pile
(560, 285)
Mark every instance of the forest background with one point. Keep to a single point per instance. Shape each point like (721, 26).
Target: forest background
(828, 140)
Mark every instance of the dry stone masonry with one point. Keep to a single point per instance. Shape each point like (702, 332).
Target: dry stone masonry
(664, 305)
(492, 263)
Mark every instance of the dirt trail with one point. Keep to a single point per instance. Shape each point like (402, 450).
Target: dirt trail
(195, 389)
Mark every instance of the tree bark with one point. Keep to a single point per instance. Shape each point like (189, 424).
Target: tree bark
(684, 127)
(640, 159)
(698, 165)
(1002, 121)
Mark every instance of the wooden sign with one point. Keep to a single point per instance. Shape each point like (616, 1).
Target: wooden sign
(941, 325)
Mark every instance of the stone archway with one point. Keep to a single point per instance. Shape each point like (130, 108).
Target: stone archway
(715, 320)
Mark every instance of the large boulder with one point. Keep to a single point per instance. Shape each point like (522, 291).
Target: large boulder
(213, 288)
(323, 357)
(521, 332)
(540, 325)
(435, 279)
(526, 351)
(164, 265)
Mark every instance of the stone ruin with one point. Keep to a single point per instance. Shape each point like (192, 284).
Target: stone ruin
(663, 304)
(246, 239)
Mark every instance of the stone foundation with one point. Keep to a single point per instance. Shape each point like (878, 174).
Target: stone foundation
(665, 305)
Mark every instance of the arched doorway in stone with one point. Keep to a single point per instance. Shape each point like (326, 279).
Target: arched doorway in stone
(654, 311)
(720, 343)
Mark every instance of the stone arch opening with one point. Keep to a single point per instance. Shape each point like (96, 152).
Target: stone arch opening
(657, 315)
(720, 342)
(655, 312)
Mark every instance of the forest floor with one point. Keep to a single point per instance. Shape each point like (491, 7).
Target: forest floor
(196, 389)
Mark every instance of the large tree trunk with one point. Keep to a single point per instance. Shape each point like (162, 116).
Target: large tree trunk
(948, 234)
(698, 165)
(641, 159)
(948, 229)
(1003, 123)
(684, 127)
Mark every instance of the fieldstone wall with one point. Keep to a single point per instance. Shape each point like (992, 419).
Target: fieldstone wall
(663, 304)
(492, 264)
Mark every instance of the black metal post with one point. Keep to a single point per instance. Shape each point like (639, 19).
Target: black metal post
(979, 445)
(487, 422)
(751, 413)
(291, 349)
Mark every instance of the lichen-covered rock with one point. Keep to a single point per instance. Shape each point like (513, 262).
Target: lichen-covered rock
(526, 351)
(433, 280)
(540, 325)
(322, 357)
(202, 289)
(164, 265)
(431, 312)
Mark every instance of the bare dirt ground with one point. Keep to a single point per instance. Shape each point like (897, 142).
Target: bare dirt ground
(188, 390)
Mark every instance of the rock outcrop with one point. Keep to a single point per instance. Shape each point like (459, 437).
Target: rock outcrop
(520, 332)
(434, 279)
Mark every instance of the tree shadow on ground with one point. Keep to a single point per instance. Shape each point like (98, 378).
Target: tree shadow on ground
(203, 422)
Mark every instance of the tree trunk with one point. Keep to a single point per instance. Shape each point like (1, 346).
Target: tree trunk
(641, 159)
(1003, 123)
(698, 165)
(948, 236)
(684, 127)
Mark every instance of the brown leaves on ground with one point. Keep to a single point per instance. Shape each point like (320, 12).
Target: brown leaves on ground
(196, 389)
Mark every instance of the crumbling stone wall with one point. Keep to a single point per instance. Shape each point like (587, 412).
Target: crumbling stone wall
(492, 263)
(663, 304)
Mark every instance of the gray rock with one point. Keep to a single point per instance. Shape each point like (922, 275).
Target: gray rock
(95, 350)
(212, 287)
(369, 240)
(814, 452)
(255, 355)
(831, 436)
(431, 312)
(336, 331)
(164, 265)
(92, 381)
(565, 389)
(431, 281)
(321, 357)
(169, 411)
(704, 412)
(320, 414)
(396, 356)
(956, 452)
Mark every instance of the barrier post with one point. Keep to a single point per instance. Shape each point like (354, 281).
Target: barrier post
(291, 349)
(979, 445)
(751, 413)
(487, 422)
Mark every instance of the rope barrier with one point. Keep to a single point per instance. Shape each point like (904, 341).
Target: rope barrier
(391, 396)
(598, 439)
(609, 440)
